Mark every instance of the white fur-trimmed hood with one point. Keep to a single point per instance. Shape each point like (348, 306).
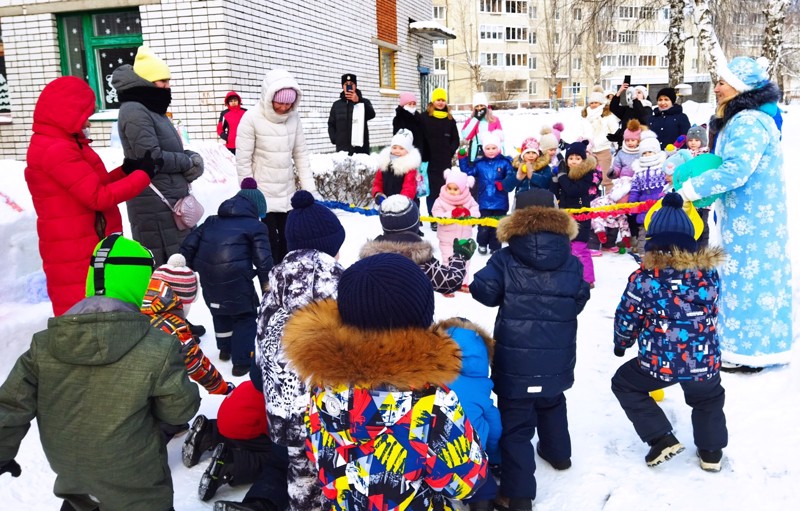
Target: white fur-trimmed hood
(401, 165)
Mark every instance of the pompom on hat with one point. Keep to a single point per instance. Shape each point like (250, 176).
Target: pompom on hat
(180, 278)
(404, 138)
(385, 292)
(149, 66)
(406, 98)
(458, 178)
(633, 131)
(251, 192)
(670, 227)
(745, 73)
(120, 268)
(313, 226)
(286, 95)
(399, 214)
(438, 93)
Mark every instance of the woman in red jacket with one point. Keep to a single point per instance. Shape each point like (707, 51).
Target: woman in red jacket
(74, 196)
(229, 120)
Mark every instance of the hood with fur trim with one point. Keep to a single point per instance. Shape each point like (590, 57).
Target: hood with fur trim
(536, 219)
(401, 165)
(681, 260)
(406, 244)
(488, 340)
(588, 165)
(538, 164)
(327, 352)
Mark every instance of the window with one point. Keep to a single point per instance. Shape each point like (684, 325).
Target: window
(665, 14)
(531, 62)
(694, 64)
(647, 13)
(516, 33)
(577, 38)
(491, 6)
(628, 37)
(577, 14)
(490, 59)
(532, 87)
(439, 64)
(627, 12)
(532, 12)
(386, 57)
(516, 59)
(532, 37)
(652, 38)
(647, 61)
(439, 43)
(439, 12)
(5, 98)
(94, 44)
(491, 32)
(516, 6)
(608, 61)
(663, 61)
(627, 60)
(607, 36)
(576, 63)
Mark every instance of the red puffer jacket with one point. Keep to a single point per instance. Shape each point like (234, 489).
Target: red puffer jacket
(74, 197)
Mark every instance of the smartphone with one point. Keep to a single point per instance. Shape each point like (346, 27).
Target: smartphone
(349, 87)
(627, 79)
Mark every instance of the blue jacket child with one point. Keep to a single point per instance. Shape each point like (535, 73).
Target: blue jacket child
(227, 250)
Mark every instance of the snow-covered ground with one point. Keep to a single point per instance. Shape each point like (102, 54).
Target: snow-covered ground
(760, 466)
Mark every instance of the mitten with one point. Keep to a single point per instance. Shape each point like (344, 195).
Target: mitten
(196, 170)
(10, 466)
(464, 247)
(379, 198)
(680, 141)
(146, 164)
(460, 212)
(231, 386)
(618, 351)
(626, 241)
(602, 237)
(462, 153)
(498, 185)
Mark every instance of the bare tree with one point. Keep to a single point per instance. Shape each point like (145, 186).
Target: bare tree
(707, 38)
(558, 43)
(772, 48)
(467, 51)
(676, 42)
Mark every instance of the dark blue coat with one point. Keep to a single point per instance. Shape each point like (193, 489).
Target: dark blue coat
(538, 285)
(488, 173)
(669, 124)
(223, 250)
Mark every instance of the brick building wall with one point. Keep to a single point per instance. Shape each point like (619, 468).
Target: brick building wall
(214, 46)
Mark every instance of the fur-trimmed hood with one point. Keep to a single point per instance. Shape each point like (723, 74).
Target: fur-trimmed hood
(588, 165)
(538, 164)
(445, 324)
(681, 260)
(327, 352)
(536, 219)
(401, 165)
(406, 244)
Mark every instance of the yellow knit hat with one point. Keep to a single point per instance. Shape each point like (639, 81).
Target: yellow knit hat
(149, 66)
(439, 94)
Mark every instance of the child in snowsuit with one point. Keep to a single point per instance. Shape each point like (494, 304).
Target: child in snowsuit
(540, 290)
(474, 386)
(400, 222)
(223, 250)
(229, 120)
(489, 173)
(381, 427)
(575, 188)
(670, 308)
(309, 273)
(397, 168)
(455, 201)
(648, 179)
(533, 169)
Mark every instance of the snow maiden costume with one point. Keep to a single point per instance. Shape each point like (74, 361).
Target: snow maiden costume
(755, 322)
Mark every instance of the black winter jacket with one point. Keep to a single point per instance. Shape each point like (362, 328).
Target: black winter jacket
(626, 113)
(538, 285)
(669, 124)
(223, 250)
(403, 119)
(340, 122)
(440, 142)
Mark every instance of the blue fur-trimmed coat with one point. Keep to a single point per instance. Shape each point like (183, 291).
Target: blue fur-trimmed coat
(488, 173)
(670, 308)
(756, 306)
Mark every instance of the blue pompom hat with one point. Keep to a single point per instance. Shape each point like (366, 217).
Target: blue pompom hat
(578, 148)
(311, 225)
(670, 227)
(745, 73)
(385, 292)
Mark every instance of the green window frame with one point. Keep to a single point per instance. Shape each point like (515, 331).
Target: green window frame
(93, 44)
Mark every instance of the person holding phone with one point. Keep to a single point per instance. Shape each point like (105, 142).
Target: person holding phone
(347, 122)
(626, 109)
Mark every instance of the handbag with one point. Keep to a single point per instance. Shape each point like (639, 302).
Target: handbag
(186, 212)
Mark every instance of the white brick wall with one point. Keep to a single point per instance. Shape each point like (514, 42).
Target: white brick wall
(217, 45)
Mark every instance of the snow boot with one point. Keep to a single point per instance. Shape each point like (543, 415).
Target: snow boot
(218, 472)
(556, 464)
(197, 441)
(662, 449)
(710, 461)
(506, 504)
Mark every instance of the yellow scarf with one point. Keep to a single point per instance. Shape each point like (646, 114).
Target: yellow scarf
(440, 114)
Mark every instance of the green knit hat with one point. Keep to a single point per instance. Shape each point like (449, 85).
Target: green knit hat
(120, 268)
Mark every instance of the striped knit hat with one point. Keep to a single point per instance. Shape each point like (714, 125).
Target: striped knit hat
(180, 278)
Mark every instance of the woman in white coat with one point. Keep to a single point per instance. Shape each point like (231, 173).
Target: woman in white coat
(271, 148)
(598, 124)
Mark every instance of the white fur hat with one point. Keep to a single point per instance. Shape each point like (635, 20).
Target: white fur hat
(404, 138)
(649, 143)
(492, 138)
(597, 96)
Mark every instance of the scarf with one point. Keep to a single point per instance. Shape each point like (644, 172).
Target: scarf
(155, 99)
(440, 114)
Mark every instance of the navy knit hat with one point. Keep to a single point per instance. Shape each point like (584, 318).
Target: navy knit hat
(399, 214)
(251, 192)
(311, 225)
(535, 197)
(670, 227)
(384, 292)
(668, 92)
(578, 148)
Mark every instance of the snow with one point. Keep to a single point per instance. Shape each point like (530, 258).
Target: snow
(608, 472)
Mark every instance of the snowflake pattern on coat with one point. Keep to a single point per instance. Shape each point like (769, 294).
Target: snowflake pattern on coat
(756, 294)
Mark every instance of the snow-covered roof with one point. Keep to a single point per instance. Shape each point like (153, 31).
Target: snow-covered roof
(432, 30)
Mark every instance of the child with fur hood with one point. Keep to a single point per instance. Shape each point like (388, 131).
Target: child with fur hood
(400, 222)
(539, 287)
(533, 168)
(382, 429)
(670, 308)
(397, 168)
(455, 201)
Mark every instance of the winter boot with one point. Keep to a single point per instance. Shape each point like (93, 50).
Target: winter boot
(483, 249)
(662, 449)
(481, 505)
(710, 461)
(197, 330)
(197, 441)
(556, 464)
(251, 505)
(218, 472)
(240, 369)
(225, 354)
(506, 504)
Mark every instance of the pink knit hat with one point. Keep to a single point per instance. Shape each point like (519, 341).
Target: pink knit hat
(528, 145)
(287, 96)
(406, 98)
(458, 178)
(633, 131)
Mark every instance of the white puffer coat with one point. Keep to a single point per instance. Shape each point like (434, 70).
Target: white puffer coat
(269, 146)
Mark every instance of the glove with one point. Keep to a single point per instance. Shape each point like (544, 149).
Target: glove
(462, 152)
(618, 351)
(196, 170)
(460, 212)
(602, 237)
(681, 140)
(146, 164)
(379, 198)
(498, 185)
(12, 467)
(464, 247)
(480, 114)
(231, 386)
